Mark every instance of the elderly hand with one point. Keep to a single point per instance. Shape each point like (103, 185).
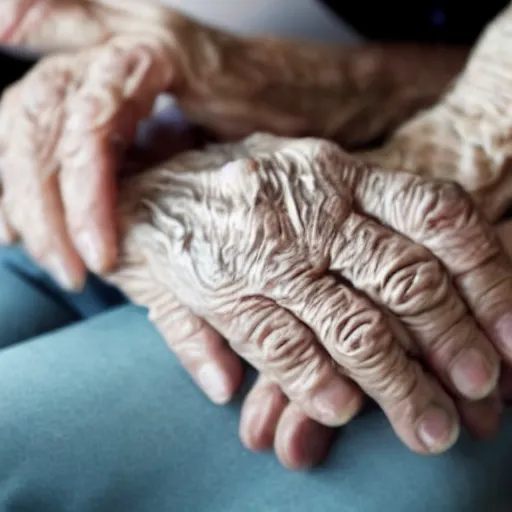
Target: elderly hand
(269, 420)
(467, 136)
(63, 128)
(298, 255)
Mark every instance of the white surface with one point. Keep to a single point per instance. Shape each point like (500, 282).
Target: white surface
(303, 19)
(289, 18)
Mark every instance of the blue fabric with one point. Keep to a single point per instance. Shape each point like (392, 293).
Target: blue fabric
(97, 416)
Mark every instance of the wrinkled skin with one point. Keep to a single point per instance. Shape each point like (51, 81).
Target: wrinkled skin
(259, 239)
(90, 102)
(467, 136)
(334, 121)
(237, 85)
(268, 419)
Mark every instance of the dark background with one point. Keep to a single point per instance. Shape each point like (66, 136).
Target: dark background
(418, 20)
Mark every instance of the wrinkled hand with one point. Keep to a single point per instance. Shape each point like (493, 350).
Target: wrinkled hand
(64, 127)
(467, 136)
(261, 240)
(236, 85)
(62, 130)
(269, 421)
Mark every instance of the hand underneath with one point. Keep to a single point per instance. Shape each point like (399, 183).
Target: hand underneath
(64, 127)
(467, 136)
(63, 130)
(272, 242)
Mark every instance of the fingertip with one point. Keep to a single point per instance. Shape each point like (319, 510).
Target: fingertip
(97, 247)
(65, 266)
(260, 415)
(475, 374)
(220, 376)
(337, 402)
(437, 430)
(216, 383)
(423, 415)
(300, 442)
(90, 206)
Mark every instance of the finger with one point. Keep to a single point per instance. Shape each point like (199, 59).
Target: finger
(261, 411)
(200, 349)
(408, 281)
(441, 217)
(31, 197)
(121, 85)
(358, 337)
(482, 418)
(65, 25)
(301, 442)
(51, 25)
(284, 349)
(215, 368)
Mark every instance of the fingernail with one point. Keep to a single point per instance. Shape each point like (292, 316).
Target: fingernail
(89, 246)
(503, 331)
(473, 375)
(437, 430)
(61, 272)
(337, 403)
(256, 430)
(250, 428)
(214, 383)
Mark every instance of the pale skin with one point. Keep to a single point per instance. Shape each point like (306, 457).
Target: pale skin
(142, 64)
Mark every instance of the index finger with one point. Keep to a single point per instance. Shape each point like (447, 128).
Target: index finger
(122, 81)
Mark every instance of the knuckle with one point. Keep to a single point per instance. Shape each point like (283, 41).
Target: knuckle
(369, 355)
(285, 348)
(136, 65)
(328, 158)
(288, 351)
(362, 336)
(165, 312)
(445, 206)
(39, 98)
(453, 228)
(50, 76)
(416, 287)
